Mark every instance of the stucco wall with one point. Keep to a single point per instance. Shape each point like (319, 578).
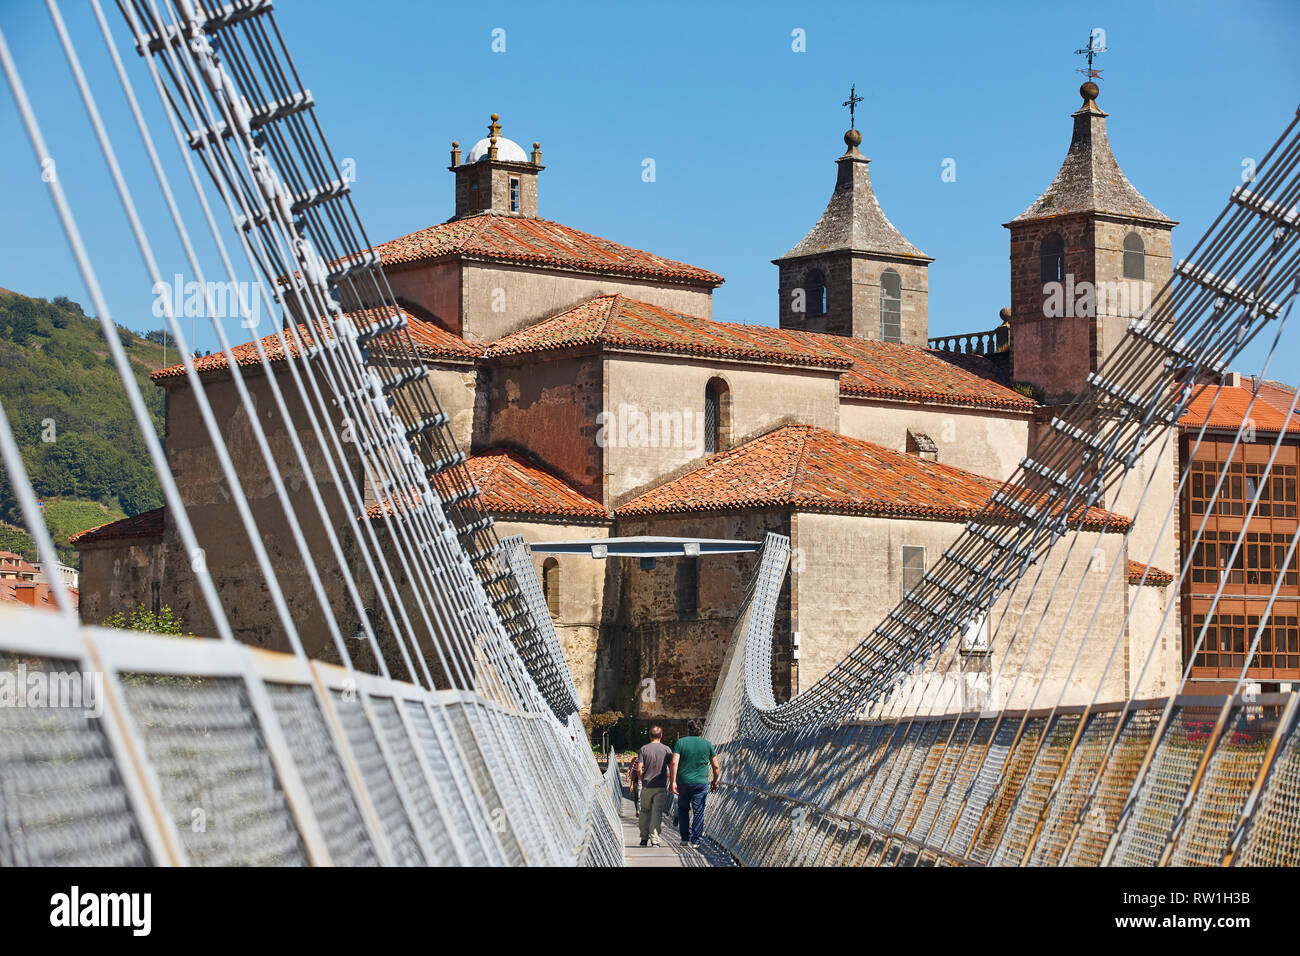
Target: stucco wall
(549, 408)
(761, 398)
(982, 441)
(455, 387)
(499, 299)
(848, 575)
(434, 287)
(1146, 638)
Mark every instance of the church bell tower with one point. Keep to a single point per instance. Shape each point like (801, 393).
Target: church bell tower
(854, 273)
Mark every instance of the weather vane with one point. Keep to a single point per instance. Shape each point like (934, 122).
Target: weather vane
(1091, 51)
(852, 102)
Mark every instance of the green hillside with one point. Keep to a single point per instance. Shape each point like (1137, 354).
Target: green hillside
(70, 416)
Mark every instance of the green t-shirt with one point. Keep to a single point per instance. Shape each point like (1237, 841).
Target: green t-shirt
(694, 754)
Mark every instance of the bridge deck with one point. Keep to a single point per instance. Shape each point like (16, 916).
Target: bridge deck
(673, 852)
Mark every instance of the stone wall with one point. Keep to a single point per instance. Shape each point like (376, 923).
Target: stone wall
(672, 659)
(1057, 352)
(1053, 353)
(120, 576)
(853, 296)
(433, 287)
(583, 583)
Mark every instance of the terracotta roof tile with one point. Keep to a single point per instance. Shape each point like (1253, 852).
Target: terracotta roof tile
(428, 338)
(511, 483)
(615, 321)
(147, 524)
(1154, 576)
(891, 370)
(811, 469)
(537, 241)
(872, 369)
(39, 596)
(1231, 408)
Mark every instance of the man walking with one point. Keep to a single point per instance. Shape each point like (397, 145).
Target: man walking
(694, 767)
(652, 766)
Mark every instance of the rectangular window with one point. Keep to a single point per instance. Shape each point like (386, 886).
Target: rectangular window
(514, 194)
(891, 306)
(913, 566)
(688, 587)
(1228, 639)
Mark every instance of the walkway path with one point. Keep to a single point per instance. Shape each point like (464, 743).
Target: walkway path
(673, 852)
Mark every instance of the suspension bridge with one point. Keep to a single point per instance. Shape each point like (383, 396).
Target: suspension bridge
(459, 741)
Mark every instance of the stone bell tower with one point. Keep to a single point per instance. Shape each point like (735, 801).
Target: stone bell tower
(854, 273)
(1086, 258)
(496, 177)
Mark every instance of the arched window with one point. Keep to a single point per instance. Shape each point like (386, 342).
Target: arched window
(1051, 259)
(814, 285)
(551, 585)
(717, 416)
(891, 306)
(1135, 260)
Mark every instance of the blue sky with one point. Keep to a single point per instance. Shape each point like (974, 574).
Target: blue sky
(742, 129)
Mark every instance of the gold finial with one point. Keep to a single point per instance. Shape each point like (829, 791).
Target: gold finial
(494, 128)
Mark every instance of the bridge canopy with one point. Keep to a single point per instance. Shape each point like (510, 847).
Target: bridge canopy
(646, 546)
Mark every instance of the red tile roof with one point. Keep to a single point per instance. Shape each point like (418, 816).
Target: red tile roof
(615, 321)
(511, 483)
(39, 596)
(147, 524)
(872, 369)
(538, 242)
(891, 370)
(1154, 576)
(429, 339)
(811, 469)
(1233, 407)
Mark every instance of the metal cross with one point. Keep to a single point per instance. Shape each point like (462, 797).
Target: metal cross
(852, 102)
(1090, 51)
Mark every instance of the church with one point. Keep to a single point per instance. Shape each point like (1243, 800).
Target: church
(595, 396)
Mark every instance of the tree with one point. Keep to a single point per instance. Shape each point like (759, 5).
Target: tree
(602, 723)
(143, 619)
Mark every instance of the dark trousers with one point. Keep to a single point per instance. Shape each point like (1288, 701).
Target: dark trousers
(690, 810)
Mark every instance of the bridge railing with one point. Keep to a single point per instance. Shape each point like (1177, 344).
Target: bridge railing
(1192, 781)
(122, 748)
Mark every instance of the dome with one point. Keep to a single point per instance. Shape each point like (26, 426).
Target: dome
(507, 150)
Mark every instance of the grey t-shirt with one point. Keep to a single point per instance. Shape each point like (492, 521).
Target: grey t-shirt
(654, 758)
